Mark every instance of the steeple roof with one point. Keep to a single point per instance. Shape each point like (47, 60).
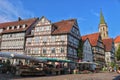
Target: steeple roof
(102, 20)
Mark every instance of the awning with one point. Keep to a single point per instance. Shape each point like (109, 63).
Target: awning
(19, 56)
(55, 59)
(85, 62)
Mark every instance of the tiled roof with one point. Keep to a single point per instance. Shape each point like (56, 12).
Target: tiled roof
(117, 39)
(27, 22)
(108, 44)
(63, 26)
(93, 38)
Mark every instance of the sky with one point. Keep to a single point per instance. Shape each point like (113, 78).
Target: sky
(87, 12)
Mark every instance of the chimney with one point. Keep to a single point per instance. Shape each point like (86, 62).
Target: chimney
(19, 18)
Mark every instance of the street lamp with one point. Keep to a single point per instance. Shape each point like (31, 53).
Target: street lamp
(12, 55)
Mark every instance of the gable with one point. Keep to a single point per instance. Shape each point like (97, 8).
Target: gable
(109, 44)
(63, 26)
(76, 24)
(75, 31)
(17, 26)
(93, 38)
(117, 39)
(43, 21)
(87, 43)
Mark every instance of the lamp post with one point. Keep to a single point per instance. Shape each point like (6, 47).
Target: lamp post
(12, 56)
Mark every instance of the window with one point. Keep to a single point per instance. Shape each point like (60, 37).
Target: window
(42, 28)
(37, 29)
(10, 35)
(52, 50)
(8, 28)
(53, 38)
(37, 39)
(70, 50)
(75, 51)
(77, 32)
(29, 40)
(4, 28)
(62, 50)
(18, 26)
(62, 37)
(43, 20)
(12, 27)
(15, 27)
(35, 50)
(103, 29)
(96, 49)
(28, 51)
(45, 39)
(1, 30)
(24, 25)
(44, 51)
(47, 28)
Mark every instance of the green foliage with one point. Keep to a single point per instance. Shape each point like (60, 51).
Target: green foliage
(80, 49)
(8, 62)
(104, 69)
(118, 53)
(112, 64)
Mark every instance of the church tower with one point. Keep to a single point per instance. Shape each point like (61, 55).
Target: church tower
(103, 28)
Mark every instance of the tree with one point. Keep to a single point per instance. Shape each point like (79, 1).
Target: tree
(118, 53)
(112, 64)
(80, 49)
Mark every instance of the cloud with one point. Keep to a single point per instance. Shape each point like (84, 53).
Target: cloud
(94, 13)
(12, 9)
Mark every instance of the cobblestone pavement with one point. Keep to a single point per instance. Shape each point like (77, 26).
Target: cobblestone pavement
(94, 76)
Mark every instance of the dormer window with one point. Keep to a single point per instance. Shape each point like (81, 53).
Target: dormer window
(18, 26)
(1, 30)
(24, 25)
(12, 27)
(42, 20)
(4, 28)
(15, 27)
(8, 28)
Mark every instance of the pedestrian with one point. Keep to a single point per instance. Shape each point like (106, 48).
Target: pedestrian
(118, 71)
(110, 69)
(114, 68)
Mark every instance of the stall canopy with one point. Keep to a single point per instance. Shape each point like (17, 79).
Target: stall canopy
(55, 59)
(20, 56)
(39, 59)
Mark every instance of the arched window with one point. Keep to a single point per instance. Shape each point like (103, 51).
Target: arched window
(103, 28)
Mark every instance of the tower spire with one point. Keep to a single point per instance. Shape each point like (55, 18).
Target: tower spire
(103, 29)
(102, 20)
